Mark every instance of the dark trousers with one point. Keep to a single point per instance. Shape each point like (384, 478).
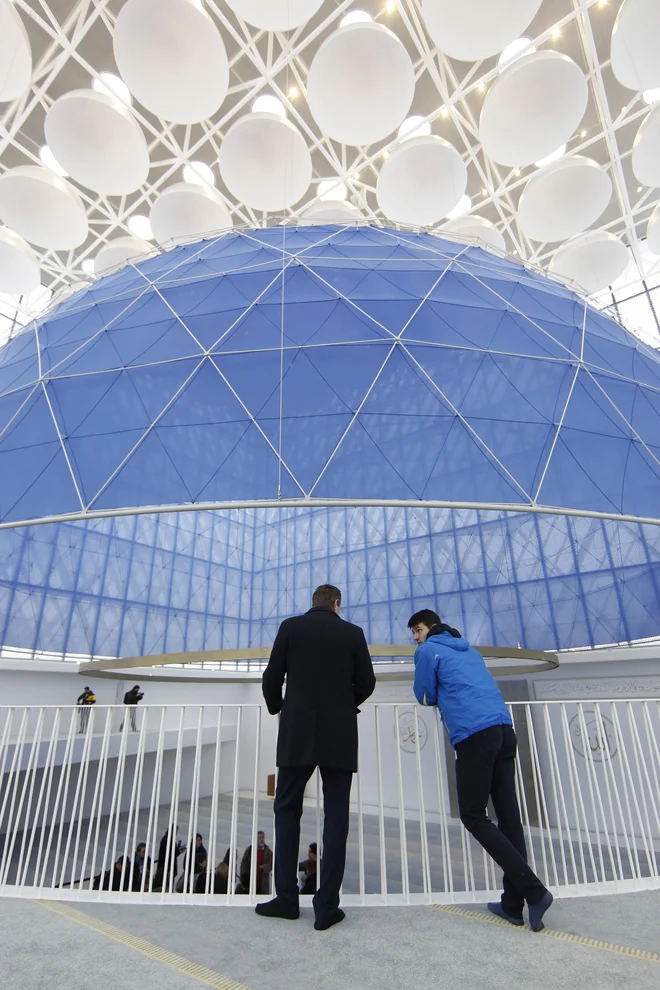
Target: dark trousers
(291, 782)
(485, 767)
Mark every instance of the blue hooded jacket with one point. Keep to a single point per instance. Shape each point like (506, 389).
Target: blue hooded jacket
(453, 675)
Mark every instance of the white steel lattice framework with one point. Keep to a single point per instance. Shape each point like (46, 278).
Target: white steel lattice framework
(72, 44)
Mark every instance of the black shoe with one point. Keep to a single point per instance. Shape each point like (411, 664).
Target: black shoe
(334, 919)
(496, 908)
(276, 909)
(536, 911)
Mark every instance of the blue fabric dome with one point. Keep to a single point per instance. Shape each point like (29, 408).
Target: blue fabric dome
(327, 363)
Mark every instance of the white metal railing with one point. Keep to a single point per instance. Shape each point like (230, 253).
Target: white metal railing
(78, 793)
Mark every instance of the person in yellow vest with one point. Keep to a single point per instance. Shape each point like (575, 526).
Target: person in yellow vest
(84, 702)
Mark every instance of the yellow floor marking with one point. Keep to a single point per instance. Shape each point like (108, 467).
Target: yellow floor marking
(591, 943)
(171, 959)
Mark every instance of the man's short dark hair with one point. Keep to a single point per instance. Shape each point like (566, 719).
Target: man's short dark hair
(312, 847)
(425, 617)
(327, 595)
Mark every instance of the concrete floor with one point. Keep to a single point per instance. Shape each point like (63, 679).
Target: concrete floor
(374, 948)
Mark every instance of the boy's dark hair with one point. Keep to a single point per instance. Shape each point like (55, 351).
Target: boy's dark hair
(312, 846)
(326, 595)
(425, 617)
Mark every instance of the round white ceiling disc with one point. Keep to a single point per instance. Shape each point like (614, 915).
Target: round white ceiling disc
(19, 267)
(635, 44)
(15, 54)
(653, 231)
(474, 29)
(478, 227)
(361, 84)
(42, 207)
(330, 211)
(533, 107)
(96, 139)
(188, 211)
(593, 260)
(421, 181)
(275, 15)
(118, 251)
(171, 56)
(563, 199)
(646, 150)
(265, 162)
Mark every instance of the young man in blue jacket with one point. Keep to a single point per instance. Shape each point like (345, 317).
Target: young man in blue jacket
(451, 674)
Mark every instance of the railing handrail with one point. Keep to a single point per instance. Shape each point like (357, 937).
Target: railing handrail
(365, 704)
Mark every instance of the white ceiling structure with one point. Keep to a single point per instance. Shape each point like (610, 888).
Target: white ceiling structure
(129, 125)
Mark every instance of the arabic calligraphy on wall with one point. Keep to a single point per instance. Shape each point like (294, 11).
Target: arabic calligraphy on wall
(593, 734)
(412, 733)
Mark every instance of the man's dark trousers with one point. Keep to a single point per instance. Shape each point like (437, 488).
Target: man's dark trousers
(291, 783)
(485, 767)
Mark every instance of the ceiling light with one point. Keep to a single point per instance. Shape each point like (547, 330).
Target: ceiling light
(198, 173)
(639, 188)
(386, 154)
(481, 87)
(50, 161)
(583, 133)
(355, 17)
(88, 265)
(557, 153)
(332, 189)
(651, 95)
(390, 6)
(293, 92)
(414, 127)
(140, 226)
(461, 207)
(556, 33)
(444, 112)
(516, 171)
(269, 104)
(484, 192)
(515, 251)
(514, 51)
(356, 176)
(112, 85)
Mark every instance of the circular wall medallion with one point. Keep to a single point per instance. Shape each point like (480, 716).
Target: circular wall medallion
(595, 734)
(412, 736)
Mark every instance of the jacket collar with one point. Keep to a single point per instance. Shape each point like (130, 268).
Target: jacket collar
(322, 608)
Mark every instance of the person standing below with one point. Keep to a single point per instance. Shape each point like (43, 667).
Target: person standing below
(451, 674)
(85, 702)
(131, 698)
(328, 674)
(264, 866)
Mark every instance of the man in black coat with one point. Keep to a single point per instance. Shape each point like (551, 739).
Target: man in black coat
(328, 674)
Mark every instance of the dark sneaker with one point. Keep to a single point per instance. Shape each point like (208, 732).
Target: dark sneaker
(334, 919)
(536, 911)
(496, 908)
(276, 909)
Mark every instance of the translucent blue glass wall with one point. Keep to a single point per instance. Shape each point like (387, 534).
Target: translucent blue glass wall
(200, 580)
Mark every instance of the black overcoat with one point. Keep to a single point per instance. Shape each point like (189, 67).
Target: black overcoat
(328, 674)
